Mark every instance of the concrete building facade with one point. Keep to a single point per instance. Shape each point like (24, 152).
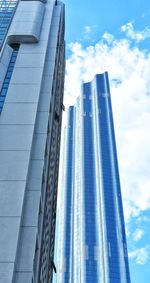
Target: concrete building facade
(31, 101)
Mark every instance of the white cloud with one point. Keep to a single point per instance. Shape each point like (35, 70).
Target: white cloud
(128, 29)
(108, 37)
(87, 29)
(138, 234)
(89, 33)
(141, 255)
(142, 219)
(143, 15)
(129, 75)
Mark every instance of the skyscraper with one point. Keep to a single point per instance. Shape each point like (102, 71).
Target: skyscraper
(31, 102)
(92, 231)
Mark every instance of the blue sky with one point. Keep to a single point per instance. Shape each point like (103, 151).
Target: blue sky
(104, 15)
(115, 36)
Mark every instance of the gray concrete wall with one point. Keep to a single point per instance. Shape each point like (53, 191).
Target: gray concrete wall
(23, 132)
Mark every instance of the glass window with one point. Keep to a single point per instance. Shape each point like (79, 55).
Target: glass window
(7, 9)
(8, 75)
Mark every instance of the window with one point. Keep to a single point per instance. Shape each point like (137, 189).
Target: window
(7, 9)
(8, 75)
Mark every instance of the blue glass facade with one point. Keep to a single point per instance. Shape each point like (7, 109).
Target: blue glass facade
(89, 195)
(9, 72)
(7, 9)
(67, 198)
(94, 241)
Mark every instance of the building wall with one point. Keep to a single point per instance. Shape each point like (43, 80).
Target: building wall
(30, 125)
(99, 252)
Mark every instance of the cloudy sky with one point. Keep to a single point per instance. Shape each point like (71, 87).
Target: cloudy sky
(114, 36)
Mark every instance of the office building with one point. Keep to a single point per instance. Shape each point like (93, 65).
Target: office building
(92, 240)
(32, 67)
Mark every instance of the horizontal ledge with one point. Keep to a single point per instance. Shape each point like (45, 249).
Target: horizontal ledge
(21, 38)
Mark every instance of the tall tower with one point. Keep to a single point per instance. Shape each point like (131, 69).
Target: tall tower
(93, 241)
(32, 64)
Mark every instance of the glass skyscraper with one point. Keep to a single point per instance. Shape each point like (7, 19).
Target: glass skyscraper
(92, 241)
(32, 67)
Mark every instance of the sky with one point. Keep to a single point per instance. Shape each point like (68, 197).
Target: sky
(114, 36)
